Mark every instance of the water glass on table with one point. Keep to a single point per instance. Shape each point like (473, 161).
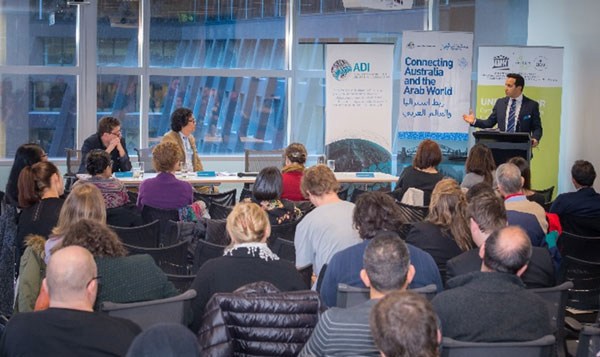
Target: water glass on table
(331, 165)
(138, 169)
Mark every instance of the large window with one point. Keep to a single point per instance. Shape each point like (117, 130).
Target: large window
(251, 70)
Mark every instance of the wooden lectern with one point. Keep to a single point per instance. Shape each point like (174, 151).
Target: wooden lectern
(505, 145)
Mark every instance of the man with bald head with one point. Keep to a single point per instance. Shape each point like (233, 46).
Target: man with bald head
(492, 305)
(69, 327)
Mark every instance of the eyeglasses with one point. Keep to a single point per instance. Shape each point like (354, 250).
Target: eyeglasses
(44, 155)
(92, 279)
(117, 133)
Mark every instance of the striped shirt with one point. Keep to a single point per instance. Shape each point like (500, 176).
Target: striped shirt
(343, 332)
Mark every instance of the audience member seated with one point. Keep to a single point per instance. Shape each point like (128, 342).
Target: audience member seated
(487, 214)
(510, 184)
(183, 125)
(327, 229)
(259, 320)
(165, 340)
(492, 305)
(295, 158)
(69, 327)
(403, 323)
(165, 191)
(585, 202)
(108, 138)
(374, 212)
(84, 202)
(445, 231)
(343, 332)
(125, 279)
(422, 175)
(266, 193)
(98, 166)
(40, 186)
(523, 166)
(246, 260)
(479, 167)
(26, 155)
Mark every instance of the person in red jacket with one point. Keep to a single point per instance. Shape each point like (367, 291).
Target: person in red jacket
(295, 157)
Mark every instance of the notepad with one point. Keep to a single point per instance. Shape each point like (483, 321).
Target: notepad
(206, 173)
(124, 174)
(365, 174)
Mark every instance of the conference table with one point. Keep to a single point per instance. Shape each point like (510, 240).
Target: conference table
(234, 178)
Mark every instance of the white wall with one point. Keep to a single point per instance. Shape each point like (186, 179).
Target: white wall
(574, 26)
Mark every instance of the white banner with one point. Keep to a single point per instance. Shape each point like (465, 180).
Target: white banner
(436, 84)
(359, 93)
(540, 66)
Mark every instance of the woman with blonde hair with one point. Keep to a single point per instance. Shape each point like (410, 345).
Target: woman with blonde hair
(246, 260)
(295, 158)
(445, 232)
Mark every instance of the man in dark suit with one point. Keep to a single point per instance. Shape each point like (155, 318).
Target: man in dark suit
(487, 214)
(108, 138)
(585, 202)
(513, 113)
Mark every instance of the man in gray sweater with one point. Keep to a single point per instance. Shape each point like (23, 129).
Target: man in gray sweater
(492, 305)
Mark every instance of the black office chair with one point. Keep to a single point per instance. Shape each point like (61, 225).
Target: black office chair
(411, 214)
(285, 231)
(171, 259)
(204, 252)
(284, 249)
(150, 214)
(222, 198)
(582, 226)
(145, 156)
(147, 236)
(536, 348)
(216, 231)
(589, 342)
(181, 282)
(556, 301)
(343, 193)
(547, 193)
(348, 296)
(218, 211)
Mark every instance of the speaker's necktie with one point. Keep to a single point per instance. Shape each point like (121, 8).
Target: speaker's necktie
(511, 116)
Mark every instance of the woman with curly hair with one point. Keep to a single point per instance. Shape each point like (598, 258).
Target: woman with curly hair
(125, 279)
(295, 158)
(98, 165)
(445, 232)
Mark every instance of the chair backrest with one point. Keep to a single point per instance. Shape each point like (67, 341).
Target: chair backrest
(546, 193)
(583, 226)
(284, 249)
(245, 193)
(348, 296)
(411, 214)
(171, 259)
(216, 231)
(356, 193)
(146, 236)
(145, 156)
(204, 252)
(133, 196)
(222, 198)
(536, 348)
(589, 342)
(218, 211)
(556, 302)
(150, 214)
(181, 282)
(285, 231)
(256, 160)
(74, 158)
(577, 246)
(321, 277)
(428, 291)
(148, 313)
(585, 276)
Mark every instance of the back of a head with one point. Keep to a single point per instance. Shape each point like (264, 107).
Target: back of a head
(33, 180)
(165, 156)
(318, 180)
(68, 274)
(94, 236)
(386, 261)
(428, 155)
(97, 161)
(448, 210)
(477, 189)
(404, 324)
(165, 340)
(268, 185)
(296, 153)
(481, 162)
(507, 250)
(583, 173)
(180, 118)
(247, 223)
(84, 202)
(523, 166)
(509, 178)
(374, 212)
(107, 124)
(488, 211)
(26, 155)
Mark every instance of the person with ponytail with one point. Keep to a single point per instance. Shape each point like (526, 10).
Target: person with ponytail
(27, 155)
(39, 189)
(295, 158)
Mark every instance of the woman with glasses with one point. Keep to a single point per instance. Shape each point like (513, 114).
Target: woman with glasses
(107, 138)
